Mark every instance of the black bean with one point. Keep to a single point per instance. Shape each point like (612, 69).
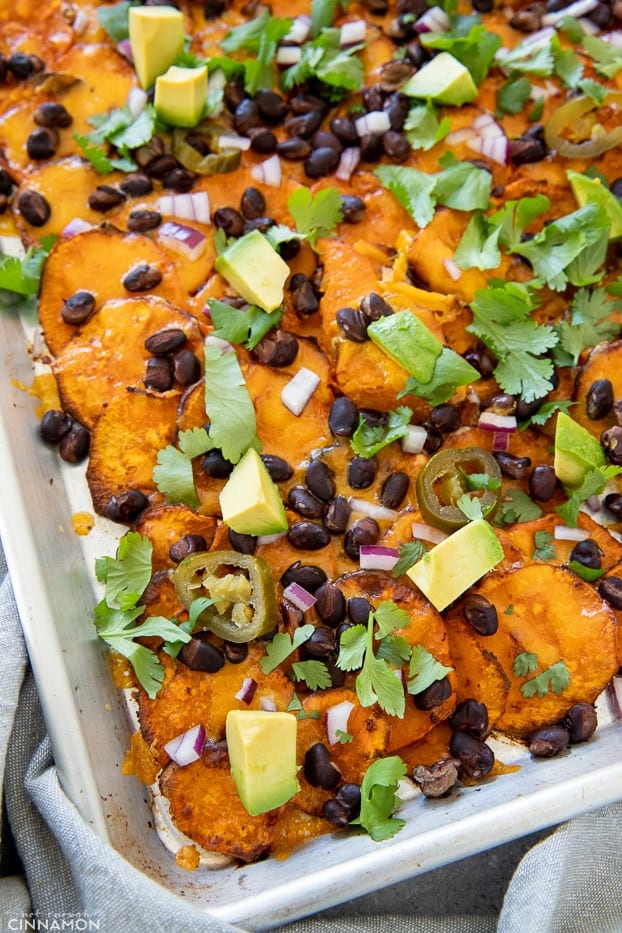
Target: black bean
(549, 741)
(364, 531)
(262, 224)
(434, 695)
(599, 399)
(395, 145)
(433, 439)
(289, 249)
(6, 182)
(371, 147)
(481, 360)
(186, 367)
(187, 544)
(611, 441)
(74, 445)
(303, 125)
(162, 165)
(374, 418)
(246, 116)
(352, 324)
(140, 221)
(601, 15)
(215, 465)
(41, 143)
(229, 220)
(542, 483)
(142, 278)
(524, 151)
(415, 53)
(337, 676)
(252, 203)
(263, 140)
(502, 404)
(529, 19)
(616, 188)
(272, 107)
(165, 341)
(613, 502)
(336, 813)
(511, 465)
(353, 208)
(159, 374)
(362, 472)
(580, 721)
(320, 480)
(345, 130)
(304, 298)
(278, 348)
(445, 418)
(34, 208)
(301, 500)
(20, 65)
(330, 605)
(587, 553)
(243, 544)
(336, 515)
(321, 162)
(322, 644)
(373, 97)
(308, 536)
(295, 149)
(349, 795)
(234, 652)
(178, 179)
(482, 6)
(127, 506)
(343, 417)
(481, 614)
(610, 588)
(135, 185)
(318, 768)
(54, 425)
(199, 654)
(278, 468)
(358, 610)
(394, 74)
(51, 113)
(476, 758)
(306, 575)
(470, 716)
(234, 92)
(104, 198)
(527, 409)
(326, 139)
(78, 307)
(374, 307)
(146, 154)
(394, 490)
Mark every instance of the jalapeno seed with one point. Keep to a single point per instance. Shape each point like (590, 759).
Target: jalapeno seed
(476, 758)
(549, 741)
(481, 614)
(599, 399)
(318, 768)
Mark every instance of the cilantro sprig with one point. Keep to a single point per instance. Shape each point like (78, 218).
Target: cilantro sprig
(368, 439)
(315, 215)
(593, 483)
(379, 798)
(589, 324)
(23, 276)
(244, 327)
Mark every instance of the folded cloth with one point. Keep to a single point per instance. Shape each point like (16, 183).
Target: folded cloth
(72, 880)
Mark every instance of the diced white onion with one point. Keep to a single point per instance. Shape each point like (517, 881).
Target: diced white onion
(574, 11)
(434, 19)
(12, 246)
(268, 704)
(374, 123)
(268, 172)
(613, 38)
(350, 158)
(136, 101)
(262, 540)
(194, 206)
(538, 39)
(565, 533)
(247, 691)
(184, 240)
(494, 147)
(589, 26)
(352, 33)
(75, 226)
(227, 141)
(414, 440)
(460, 136)
(378, 557)
(80, 22)
(453, 270)
(300, 29)
(378, 512)
(296, 395)
(428, 533)
(287, 55)
(299, 597)
(486, 125)
(187, 747)
(337, 720)
(490, 421)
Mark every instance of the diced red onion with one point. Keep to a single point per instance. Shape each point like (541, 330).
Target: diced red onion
(268, 704)
(614, 690)
(296, 395)
(453, 270)
(247, 691)
(184, 240)
(378, 512)
(187, 747)
(486, 125)
(428, 532)
(80, 22)
(613, 38)
(287, 55)
(574, 11)
(414, 440)
(350, 158)
(231, 141)
(337, 720)
(501, 441)
(263, 540)
(565, 533)
(494, 147)
(434, 19)
(299, 30)
(297, 595)
(268, 172)
(136, 101)
(186, 206)
(352, 33)
(124, 48)
(460, 136)
(593, 503)
(374, 123)
(490, 421)
(75, 226)
(378, 557)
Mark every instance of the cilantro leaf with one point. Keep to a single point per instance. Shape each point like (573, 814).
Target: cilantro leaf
(424, 670)
(314, 673)
(555, 678)
(470, 506)
(546, 411)
(126, 575)
(469, 41)
(379, 799)
(543, 549)
(389, 616)
(461, 186)
(367, 440)
(515, 217)
(479, 245)
(174, 478)
(593, 483)
(413, 189)
(282, 645)
(513, 95)
(99, 158)
(114, 19)
(525, 663)
(394, 649)
(450, 371)
(323, 13)
(323, 58)
(344, 737)
(233, 424)
(516, 506)
(194, 442)
(590, 323)
(377, 683)
(409, 553)
(315, 215)
(527, 57)
(422, 127)
(352, 647)
(607, 58)
(242, 326)
(23, 276)
(137, 132)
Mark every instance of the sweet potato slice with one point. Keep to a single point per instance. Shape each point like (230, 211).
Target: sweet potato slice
(125, 442)
(97, 261)
(164, 525)
(87, 380)
(551, 613)
(523, 537)
(604, 362)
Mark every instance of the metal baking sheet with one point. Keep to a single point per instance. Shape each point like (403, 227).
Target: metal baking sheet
(87, 717)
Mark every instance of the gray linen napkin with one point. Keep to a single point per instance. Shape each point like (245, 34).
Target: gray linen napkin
(571, 883)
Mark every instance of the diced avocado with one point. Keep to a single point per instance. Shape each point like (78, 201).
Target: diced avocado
(180, 95)
(157, 38)
(452, 566)
(443, 79)
(249, 501)
(576, 451)
(592, 191)
(262, 755)
(255, 270)
(408, 341)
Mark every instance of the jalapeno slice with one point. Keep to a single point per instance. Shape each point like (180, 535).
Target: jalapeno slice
(445, 478)
(217, 161)
(242, 587)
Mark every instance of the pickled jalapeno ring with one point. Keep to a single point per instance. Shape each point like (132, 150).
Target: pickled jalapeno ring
(242, 589)
(445, 478)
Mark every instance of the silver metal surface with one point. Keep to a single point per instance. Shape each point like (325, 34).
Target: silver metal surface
(52, 572)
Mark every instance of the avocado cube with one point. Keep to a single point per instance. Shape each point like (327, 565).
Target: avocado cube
(255, 269)
(408, 341)
(157, 38)
(249, 501)
(576, 451)
(443, 79)
(180, 95)
(262, 757)
(592, 191)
